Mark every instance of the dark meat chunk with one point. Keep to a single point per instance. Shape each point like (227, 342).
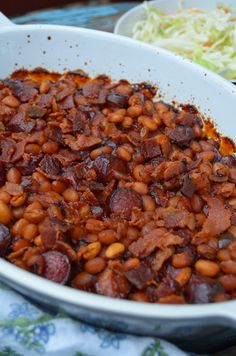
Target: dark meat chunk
(29, 164)
(79, 121)
(123, 201)
(233, 218)
(36, 111)
(181, 135)
(57, 267)
(185, 119)
(11, 151)
(5, 239)
(202, 290)
(55, 134)
(139, 276)
(22, 89)
(19, 123)
(229, 161)
(118, 99)
(150, 149)
(188, 188)
(94, 92)
(107, 166)
(50, 165)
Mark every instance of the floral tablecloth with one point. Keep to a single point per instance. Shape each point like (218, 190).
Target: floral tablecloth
(29, 330)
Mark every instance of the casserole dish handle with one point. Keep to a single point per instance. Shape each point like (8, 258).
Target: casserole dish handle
(4, 21)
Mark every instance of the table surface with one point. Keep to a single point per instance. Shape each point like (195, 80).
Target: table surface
(100, 17)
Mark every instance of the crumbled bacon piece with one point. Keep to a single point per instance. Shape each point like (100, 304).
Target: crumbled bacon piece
(218, 219)
(81, 142)
(157, 238)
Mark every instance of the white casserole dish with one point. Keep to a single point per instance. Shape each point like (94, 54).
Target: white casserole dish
(59, 48)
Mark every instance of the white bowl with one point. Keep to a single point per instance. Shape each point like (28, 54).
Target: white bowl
(125, 24)
(61, 48)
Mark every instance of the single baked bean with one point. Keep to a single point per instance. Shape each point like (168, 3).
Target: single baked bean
(183, 276)
(195, 147)
(11, 101)
(5, 214)
(148, 107)
(200, 219)
(196, 203)
(50, 147)
(140, 297)
(148, 203)
(38, 177)
(84, 211)
(96, 265)
(107, 237)
(228, 267)
(5, 197)
(228, 282)
(30, 231)
(18, 201)
(92, 237)
(58, 186)
(127, 122)
(114, 250)
(44, 87)
(148, 122)
(131, 263)
(123, 153)
(19, 227)
(223, 255)
(183, 259)
(140, 188)
(124, 89)
(19, 244)
(207, 268)
(135, 110)
(32, 148)
(34, 205)
(132, 233)
(77, 232)
(206, 155)
(94, 225)
(83, 280)
(13, 176)
(114, 117)
(99, 151)
(38, 240)
(92, 250)
(45, 187)
(156, 118)
(35, 216)
(18, 212)
(70, 195)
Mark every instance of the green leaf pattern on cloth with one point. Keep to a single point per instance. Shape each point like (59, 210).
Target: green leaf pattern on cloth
(27, 329)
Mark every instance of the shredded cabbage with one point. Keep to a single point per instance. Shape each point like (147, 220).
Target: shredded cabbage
(206, 37)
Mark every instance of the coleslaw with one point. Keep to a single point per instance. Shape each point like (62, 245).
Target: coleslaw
(206, 37)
